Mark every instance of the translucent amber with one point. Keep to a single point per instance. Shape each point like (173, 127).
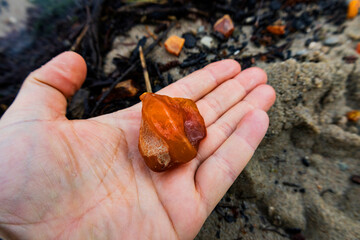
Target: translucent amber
(353, 8)
(171, 130)
(174, 44)
(224, 26)
(353, 116)
(277, 30)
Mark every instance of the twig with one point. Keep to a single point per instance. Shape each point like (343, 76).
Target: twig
(80, 38)
(131, 67)
(145, 71)
(152, 35)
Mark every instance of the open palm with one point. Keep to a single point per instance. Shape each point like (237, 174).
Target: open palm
(85, 179)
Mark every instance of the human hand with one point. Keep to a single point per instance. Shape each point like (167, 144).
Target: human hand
(85, 179)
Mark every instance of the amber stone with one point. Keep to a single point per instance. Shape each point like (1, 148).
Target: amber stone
(174, 44)
(171, 130)
(353, 116)
(224, 25)
(353, 8)
(276, 29)
(122, 90)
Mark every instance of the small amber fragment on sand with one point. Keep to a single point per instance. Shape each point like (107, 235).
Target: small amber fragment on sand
(174, 44)
(358, 48)
(353, 8)
(353, 116)
(276, 29)
(171, 130)
(122, 90)
(224, 26)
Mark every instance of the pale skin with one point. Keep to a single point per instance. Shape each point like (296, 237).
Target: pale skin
(85, 179)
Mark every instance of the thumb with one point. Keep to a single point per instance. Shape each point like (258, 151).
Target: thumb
(44, 92)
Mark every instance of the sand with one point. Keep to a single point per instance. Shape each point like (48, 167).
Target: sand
(13, 17)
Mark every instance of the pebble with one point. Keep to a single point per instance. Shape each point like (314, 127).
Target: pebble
(210, 57)
(201, 29)
(190, 40)
(302, 52)
(315, 46)
(343, 166)
(305, 161)
(331, 41)
(207, 41)
(12, 20)
(307, 42)
(250, 20)
(318, 82)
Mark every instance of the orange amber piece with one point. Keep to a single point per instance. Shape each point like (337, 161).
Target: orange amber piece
(353, 8)
(276, 29)
(171, 130)
(358, 48)
(353, 115)
(224, 26)
(174, 44)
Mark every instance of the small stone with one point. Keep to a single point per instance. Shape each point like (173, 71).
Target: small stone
(353, 116)
(250, 20)
(331, 41)
(12, 20)
(343, 166)
(224, 26)
(355, 179)
(353, 9)
(305, 161)
(201, 29)
(207, 41)
(174, 44)
(276, 29)
(350, 59)
(210, 57)
(302, 52)
(318, 82)
(315, 46)
(307, 42)
(190, 40)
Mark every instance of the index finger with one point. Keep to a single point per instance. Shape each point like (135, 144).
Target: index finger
(199, 83)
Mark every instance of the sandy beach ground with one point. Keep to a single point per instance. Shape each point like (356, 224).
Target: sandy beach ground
(13, 15)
